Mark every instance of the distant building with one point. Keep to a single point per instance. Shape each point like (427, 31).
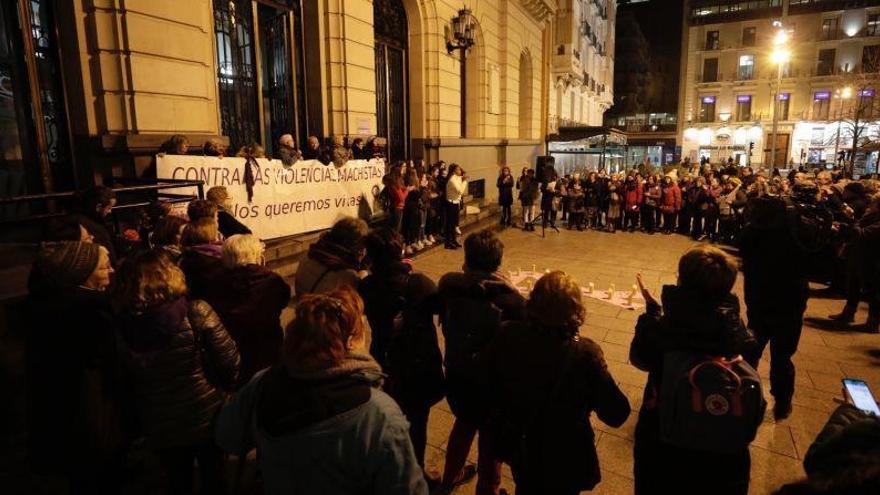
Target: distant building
(582, 63)
(729, 80)
(646, 80)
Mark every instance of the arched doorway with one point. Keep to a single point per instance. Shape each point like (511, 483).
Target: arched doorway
(392, 103)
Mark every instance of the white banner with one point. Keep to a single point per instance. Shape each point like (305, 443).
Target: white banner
(306, 197)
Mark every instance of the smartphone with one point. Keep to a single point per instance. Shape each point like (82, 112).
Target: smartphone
(861, 395)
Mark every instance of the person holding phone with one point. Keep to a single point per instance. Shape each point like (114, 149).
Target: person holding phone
(845, 455)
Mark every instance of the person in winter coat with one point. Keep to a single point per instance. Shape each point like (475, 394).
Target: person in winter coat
(412, 207)
(167, 234)
(715, 189)
(226, 223)
(318, 420)
(700, 202)
(474, 305)
(700, 315)
(456, 188)
(604, 196)
(547, 380)
(844, 456)
(730, 202)
(670, 203)
(686, 212)
(77, 425)
(591, 201)
(250, 304)
(400, 305)
(334, 259)
(575, 199)
(632, 202)
(776, 289)
(650, 201)
(528, 196)
(93, 207)
(396, 189)
(505, 196)
(863, 244)
(201, 256)
(615, 199)
(182, 364)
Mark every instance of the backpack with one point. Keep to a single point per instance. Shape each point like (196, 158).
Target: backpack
(414, 361)
(709, 404)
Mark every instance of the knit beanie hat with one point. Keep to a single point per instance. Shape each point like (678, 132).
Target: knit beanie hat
(67, 264)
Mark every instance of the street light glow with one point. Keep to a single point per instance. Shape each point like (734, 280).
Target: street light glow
(780, 56)
(781, 37)
(846, 92)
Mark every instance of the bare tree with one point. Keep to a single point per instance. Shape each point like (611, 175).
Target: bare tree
(859, 109)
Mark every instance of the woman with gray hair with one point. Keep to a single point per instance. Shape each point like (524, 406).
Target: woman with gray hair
(250, 303)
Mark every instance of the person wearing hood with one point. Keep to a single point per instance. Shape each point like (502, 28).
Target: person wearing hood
(775, 266)
(250, 304)
(697, 315)
(319, 421)
(400, 305)
(181, 364)
(475, 303)
(75, 399)
(334, 259)
(201, 256)
(548, 381)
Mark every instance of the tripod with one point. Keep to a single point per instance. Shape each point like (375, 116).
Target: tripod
(544, 217)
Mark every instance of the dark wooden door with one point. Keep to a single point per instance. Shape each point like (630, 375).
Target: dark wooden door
(392, 105)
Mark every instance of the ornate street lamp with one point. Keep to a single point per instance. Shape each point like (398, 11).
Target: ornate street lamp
(463, 26)
(462, 31)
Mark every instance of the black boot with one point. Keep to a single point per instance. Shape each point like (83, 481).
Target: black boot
(781, 409)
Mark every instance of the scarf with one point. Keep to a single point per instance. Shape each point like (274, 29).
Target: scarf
(354, 363)
(249, 180)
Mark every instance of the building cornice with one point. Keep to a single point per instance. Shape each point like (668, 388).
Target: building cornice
(540, 10)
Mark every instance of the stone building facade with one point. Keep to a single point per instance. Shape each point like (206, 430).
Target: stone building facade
(729, 80)
(123, 76)
(582, 63)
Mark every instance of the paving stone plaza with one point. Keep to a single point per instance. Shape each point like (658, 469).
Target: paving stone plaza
(823, 357)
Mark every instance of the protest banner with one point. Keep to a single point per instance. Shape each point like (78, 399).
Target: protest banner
(305, 197)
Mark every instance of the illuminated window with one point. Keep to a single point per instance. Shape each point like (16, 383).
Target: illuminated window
(743, 108)
(821, 105)
(746, 67)
(707, 109)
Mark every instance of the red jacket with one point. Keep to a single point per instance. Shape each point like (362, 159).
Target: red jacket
(632, 197)
(670, 198)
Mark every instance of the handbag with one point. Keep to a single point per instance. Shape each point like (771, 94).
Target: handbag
(510, 440)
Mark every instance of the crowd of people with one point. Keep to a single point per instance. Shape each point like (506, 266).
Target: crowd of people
(171, 347)
(332, 151)
(424, 204)
(714, 203)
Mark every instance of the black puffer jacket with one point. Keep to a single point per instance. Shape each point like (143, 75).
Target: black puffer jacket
(774, 264)
(690, 322)
(174, 396)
